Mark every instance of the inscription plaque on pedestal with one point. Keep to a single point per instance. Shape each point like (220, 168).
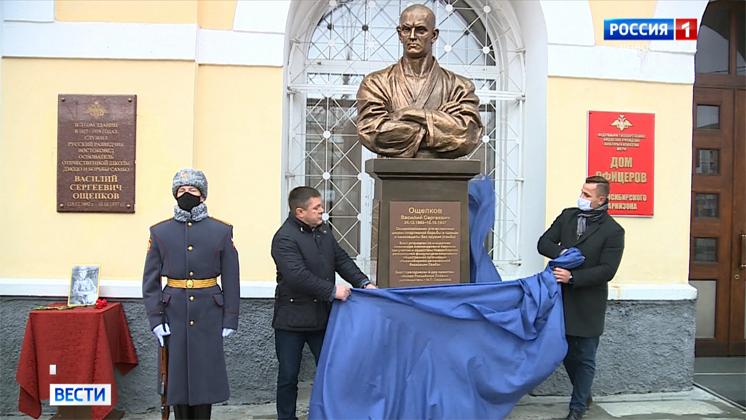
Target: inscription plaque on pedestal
(96, 153)
(429, 243)
(424, 243)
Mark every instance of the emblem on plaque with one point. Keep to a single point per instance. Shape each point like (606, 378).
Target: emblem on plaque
(96, 110)
(622, 123)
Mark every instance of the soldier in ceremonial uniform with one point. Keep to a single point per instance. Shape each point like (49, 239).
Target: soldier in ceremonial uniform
(191, 250)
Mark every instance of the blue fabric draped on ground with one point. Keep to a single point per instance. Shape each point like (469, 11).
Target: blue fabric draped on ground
(466, 351)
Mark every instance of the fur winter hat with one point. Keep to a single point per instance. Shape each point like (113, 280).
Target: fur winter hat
(191, 177)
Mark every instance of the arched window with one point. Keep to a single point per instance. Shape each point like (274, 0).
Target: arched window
(349, 39)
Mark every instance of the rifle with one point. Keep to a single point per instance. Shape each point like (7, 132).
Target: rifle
(165, 412)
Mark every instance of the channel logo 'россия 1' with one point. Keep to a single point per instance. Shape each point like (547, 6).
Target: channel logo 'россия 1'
(650, 29)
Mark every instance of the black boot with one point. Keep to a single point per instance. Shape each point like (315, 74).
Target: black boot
(575, 415)
(182, 412)
(202, 412)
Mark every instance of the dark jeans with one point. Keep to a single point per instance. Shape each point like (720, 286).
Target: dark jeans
(289, 348)
(192, 412)
(580, 364)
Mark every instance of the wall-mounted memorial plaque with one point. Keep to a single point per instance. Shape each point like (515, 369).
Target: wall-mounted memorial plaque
(96, 153)
(425, 243)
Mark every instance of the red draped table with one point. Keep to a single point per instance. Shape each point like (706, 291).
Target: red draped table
(84, 343)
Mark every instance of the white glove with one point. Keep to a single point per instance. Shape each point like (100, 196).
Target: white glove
(160, 331)
(227, 332)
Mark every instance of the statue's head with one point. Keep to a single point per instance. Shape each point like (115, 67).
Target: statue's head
(417, 31)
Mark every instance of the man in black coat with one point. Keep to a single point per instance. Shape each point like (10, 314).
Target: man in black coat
(599, 237)
(192, 250)
(307, 257)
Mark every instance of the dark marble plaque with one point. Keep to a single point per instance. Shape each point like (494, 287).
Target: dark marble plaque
(96, 153)
(425, 246)
(440, 183)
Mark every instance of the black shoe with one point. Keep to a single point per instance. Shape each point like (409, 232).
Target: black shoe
(575, 415)
(588, 402)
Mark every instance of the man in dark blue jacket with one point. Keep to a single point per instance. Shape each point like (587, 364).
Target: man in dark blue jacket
(307, 257)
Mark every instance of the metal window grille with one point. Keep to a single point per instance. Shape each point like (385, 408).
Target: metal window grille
(355, 37)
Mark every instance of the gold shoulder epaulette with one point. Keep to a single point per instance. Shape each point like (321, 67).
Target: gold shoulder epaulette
(221, 221)
(166, 220)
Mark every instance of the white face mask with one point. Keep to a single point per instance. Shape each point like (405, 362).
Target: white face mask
(584, 204)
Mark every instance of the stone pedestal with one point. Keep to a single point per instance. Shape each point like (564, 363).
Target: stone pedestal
(421, 220)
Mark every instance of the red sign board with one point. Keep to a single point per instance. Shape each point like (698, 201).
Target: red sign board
(621, 148)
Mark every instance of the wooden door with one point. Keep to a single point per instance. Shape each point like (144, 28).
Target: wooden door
(736, 344)
(712, 216)
(717, 262)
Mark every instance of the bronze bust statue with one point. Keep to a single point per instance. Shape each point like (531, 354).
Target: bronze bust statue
(415, 108)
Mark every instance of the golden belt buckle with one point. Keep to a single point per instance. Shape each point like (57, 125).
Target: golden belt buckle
(190, 284)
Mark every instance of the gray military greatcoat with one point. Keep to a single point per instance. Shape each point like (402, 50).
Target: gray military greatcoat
(193, 250)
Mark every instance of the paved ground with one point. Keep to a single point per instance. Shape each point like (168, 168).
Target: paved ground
(696, 404)
(724, 376)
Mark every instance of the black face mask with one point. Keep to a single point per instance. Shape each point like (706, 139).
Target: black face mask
(188, 201)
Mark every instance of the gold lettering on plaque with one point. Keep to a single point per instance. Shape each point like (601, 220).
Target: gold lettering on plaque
(424, 243)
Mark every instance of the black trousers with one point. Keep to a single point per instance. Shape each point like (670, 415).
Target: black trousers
(289, 347)
(192, 412)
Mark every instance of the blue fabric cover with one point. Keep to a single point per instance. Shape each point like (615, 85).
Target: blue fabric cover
(465, 351)
(481, 219)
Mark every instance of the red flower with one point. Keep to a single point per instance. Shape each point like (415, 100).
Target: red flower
(100, 303)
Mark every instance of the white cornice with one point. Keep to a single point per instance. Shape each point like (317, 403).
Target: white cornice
(239, 48)
(568, 22)
(141, 41)
(124, 41)
(28, 11)
(613, 63)
(254, 42)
